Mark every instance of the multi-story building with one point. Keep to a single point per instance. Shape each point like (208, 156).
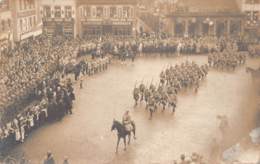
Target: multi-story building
(25, 19)
(206, 17)
(252, 10)
(6, 35)
(58, 17)
(106, 17)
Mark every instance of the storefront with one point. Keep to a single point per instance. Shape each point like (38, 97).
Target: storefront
(59, 27)
(105, 28)
(204, 24)
(106, 17)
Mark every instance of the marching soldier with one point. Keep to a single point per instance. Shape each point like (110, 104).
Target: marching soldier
(188, 75)
(142, 89)
(136, 95)
(151, 106)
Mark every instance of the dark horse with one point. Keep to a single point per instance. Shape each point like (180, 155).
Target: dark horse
(121, 133)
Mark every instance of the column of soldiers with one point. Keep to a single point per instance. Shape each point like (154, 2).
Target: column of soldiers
(86, 67)
(99, 65)
(172, 80)
(226, 60)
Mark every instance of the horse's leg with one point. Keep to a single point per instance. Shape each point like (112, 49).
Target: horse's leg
(118, 140)
(164, 104)
(173, 108)
(134, 128)
(125, 143)
(129, 138)
(151, 113)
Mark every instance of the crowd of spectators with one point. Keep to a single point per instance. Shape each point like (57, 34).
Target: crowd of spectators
(163, 45)
(39, 88)
(27, 65)
(55, 100)
(30, 86)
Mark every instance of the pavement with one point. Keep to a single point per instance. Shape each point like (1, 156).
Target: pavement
(85, 136)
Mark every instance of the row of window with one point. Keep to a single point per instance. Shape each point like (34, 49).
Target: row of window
(27, 4)
(5, 25)
(253, 15)
(26, 24)
(252, 1)
(4, 5)
(99, 12)
(57, 12)
(99, 31)
(112, 12)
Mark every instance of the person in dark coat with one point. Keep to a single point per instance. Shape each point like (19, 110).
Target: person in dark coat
(93, 54)
(66, 160)
(49, 159)
(68, 103)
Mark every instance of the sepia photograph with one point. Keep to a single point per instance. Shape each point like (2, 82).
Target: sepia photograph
(129, 81)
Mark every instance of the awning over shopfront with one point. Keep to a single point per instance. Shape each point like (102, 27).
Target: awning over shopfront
(33, 33)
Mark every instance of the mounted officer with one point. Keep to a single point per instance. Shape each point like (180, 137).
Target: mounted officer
(128, 122)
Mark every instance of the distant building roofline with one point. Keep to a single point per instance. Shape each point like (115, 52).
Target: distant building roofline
(209, 5)
(205, 14)
(106, 2)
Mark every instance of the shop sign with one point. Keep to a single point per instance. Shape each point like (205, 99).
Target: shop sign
(92, 23)
(26, 13)
(121, 23)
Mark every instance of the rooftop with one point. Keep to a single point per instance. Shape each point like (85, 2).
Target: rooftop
(106, 2)
(209, 5)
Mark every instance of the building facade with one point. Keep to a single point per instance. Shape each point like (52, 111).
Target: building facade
(26, 23)
(252, 10)
(6, 28)
(59, 17)
(214, 18)
(106, 17)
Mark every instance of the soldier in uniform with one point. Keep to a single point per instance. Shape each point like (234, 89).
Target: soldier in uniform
(162, 77)
(164, 99)
(129, 123)
(151, 106)
(152, 87)
(142, 89)
(210, 59)
(147, 95)
(136, 95)
(49, 159)
(172, 101)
